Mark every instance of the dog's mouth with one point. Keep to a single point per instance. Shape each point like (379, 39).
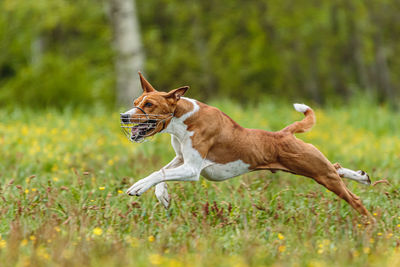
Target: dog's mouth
(142, 130)
(142, 126)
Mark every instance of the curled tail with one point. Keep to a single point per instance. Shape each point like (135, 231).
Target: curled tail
(304, 125)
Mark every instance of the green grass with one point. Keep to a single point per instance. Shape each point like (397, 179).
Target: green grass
(63, 175)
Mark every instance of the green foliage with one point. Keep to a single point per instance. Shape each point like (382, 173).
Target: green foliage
(60, 51)
(63, 175)
(59, 82)
(307, 49)
(55, 53)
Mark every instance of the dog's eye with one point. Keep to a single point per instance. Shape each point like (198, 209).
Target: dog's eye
(148, 104)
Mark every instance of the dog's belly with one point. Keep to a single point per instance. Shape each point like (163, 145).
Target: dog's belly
(219, 172)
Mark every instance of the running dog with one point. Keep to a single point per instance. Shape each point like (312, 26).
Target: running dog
(208, 142)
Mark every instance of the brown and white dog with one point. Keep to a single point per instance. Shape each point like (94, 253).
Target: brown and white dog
(209, 143)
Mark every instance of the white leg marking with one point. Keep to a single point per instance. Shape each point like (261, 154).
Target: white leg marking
(184, 172)
(162, 195)
(358, 176)
(161, 189)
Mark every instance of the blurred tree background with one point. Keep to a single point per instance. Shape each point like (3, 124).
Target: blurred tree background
(61, 53)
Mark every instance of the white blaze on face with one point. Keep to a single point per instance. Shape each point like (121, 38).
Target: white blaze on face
(134, 110)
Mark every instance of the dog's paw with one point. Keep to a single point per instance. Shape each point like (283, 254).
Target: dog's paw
(162, 195)
(140, 187)
(365, 177)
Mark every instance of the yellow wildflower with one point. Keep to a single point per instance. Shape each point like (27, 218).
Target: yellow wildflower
(41, 252)
(151, 238)
(55, 179)
(24, 242)
(280, 236)
(3, 243)
(32, 237)
(281, 248)
(57, 229)
(155, 259)
(26, 191)
(120, 191)
(102, 188)
(176, 263)
(24, 130)
(367, 250)
(375, 214)
(379, 234)
(316, 263)
(33, 189)
(97, 231)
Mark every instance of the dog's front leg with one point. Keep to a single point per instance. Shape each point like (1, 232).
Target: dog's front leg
(162, 195)
(161, 189)
(185, 172)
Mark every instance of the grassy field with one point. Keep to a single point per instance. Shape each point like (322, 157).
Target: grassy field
(64, 174)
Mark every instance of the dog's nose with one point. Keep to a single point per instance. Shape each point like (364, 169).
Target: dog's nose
(124, 117)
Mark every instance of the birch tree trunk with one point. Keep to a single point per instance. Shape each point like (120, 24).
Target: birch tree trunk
(128, 45)
(37, 51)
(382, 70)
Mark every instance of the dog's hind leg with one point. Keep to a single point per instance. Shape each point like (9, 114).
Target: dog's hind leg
(358, 176)
(331, 180)
(305, 159)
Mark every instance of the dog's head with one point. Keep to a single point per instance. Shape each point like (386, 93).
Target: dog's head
(151, 112)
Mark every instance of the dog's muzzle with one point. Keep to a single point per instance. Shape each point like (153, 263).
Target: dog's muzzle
(139, 126)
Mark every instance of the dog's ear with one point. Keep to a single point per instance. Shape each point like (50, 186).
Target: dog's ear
(146, 86)
(177, 93)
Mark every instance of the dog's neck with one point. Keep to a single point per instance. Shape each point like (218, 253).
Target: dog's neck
(185, 108)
